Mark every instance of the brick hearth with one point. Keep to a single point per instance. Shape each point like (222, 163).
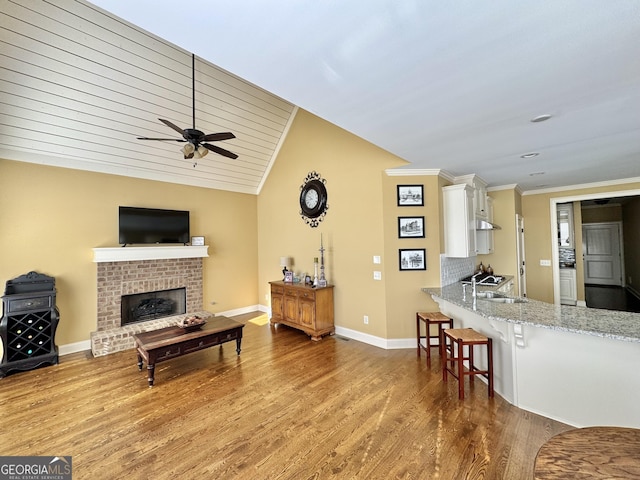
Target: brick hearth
(127, 277)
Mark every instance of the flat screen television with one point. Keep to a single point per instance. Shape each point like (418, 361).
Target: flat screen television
(152, 225)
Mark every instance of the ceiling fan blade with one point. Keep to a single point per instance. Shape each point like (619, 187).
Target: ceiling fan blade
(171, 125)
(213, 137)
(163, 139)
(220, 151)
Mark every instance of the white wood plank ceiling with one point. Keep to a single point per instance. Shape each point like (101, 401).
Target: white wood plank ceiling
(78, 85)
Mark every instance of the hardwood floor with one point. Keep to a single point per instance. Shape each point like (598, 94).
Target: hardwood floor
(286, 408)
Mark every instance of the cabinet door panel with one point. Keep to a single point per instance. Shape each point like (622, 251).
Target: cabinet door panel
(291, 309)
(276, 307)
(308, 314)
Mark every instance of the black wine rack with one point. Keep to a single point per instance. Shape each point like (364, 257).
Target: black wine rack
(29, 322)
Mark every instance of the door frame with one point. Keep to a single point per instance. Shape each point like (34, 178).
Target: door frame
(555, 252)
(520, 257)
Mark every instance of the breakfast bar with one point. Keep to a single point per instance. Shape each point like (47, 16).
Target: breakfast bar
(573, 364)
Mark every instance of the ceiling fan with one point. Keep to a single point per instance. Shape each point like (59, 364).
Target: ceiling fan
(196, 141)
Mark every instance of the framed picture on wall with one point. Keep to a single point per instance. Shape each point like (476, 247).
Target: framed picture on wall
(411, 227)
(410, 195)
(413, 259)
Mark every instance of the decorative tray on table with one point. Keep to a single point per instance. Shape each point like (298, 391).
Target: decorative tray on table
(192, 323)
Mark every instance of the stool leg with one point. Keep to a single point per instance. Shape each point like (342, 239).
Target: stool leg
(418, 331)
(460, 371)
(471, 365)
(490, 362)
(445, 363)
(428, 341)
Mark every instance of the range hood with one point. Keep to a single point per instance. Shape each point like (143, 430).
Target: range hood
(484, 225)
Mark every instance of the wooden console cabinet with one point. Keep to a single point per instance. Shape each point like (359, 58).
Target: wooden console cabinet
(303, 307)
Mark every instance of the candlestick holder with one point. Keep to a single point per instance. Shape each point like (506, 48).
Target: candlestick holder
(322, 281)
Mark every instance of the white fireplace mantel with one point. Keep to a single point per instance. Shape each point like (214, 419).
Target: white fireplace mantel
(127, 254)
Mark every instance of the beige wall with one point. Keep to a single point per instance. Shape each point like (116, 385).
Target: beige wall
(51, 218)
(538, 239)
(606, 213)
(361, 222)
(403, 288)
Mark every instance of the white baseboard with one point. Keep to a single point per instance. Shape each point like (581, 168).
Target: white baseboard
(241, 311)
(74, 347)
(385, 343)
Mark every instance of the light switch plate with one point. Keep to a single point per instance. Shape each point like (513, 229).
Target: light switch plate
(377, 275)
(376, 259)
(545, 263)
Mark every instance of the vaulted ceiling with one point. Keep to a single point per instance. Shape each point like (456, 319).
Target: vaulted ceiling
(451, 85)
(78, 86)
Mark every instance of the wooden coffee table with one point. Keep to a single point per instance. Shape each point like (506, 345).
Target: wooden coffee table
(172, 342)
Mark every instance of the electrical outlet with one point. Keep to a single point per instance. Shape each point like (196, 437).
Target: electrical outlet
(377, 275)
(366, 320)
(545, 263)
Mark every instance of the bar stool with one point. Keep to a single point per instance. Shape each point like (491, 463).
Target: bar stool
(461, 337)
(431, 318)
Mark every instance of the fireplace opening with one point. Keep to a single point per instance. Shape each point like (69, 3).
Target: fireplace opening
(140, 307)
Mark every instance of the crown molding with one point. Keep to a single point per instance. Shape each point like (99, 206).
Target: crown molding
(608, 183)
(417, 172)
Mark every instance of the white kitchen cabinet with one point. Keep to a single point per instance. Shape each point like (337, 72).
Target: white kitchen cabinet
(568, 289)
(484, 238)
(459, 221)
(480, 197)
(479, 194)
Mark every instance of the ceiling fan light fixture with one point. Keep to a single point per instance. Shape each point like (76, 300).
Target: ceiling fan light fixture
(188, 150)
(200, 152)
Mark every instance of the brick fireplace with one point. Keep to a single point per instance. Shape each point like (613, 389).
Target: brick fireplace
(117, 278)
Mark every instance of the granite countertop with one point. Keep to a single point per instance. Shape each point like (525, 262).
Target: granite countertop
(589, 321)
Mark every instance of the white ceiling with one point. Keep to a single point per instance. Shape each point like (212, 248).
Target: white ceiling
(445, 85)
(450, 85)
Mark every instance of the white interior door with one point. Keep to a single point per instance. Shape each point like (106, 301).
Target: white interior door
(522, 273)
(602, 262)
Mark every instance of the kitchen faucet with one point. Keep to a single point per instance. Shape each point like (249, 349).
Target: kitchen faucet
(474, 292)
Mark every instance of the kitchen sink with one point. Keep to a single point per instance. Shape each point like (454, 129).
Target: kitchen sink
(490, 294)
(505, 300)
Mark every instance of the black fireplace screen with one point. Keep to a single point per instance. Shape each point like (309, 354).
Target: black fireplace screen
(140, 307)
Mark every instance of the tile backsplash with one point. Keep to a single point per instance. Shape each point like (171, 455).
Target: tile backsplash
(567, 255)
(453, 270)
